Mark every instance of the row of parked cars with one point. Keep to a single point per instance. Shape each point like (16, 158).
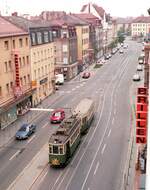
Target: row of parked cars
(136, 76)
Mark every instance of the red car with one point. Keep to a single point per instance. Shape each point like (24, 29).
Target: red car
(86, 75)
(57, 116)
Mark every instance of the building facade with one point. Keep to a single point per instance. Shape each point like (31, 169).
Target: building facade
(42, 56)
(15, 74)
(140, 26)
(65, 38)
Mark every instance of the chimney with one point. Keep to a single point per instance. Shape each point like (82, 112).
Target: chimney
(14, 14)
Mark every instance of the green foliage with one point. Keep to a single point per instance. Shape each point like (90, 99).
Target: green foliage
(120, 36)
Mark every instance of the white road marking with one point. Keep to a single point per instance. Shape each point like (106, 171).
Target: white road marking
(73, 89)
(112, 120)
(68, 92)
(44, 125)
(88, 188)
(115, 111)
(109, 133)
(31, 138)
(97, 165)
(103, 149)
(15, 155)
(78, 87)
(43, 177)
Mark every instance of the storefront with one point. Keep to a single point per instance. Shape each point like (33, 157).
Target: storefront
(9, 113)
(7, 117)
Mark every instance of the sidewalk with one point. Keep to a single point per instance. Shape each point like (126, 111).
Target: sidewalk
(7, 134)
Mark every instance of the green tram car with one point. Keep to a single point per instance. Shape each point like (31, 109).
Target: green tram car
(63, 143)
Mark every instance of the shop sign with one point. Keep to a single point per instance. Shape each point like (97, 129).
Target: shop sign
(141, 115)
(43, 80)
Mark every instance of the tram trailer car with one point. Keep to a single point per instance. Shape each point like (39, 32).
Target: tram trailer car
(85, 110)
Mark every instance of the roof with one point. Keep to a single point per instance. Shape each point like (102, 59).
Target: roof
(25, 23)
(142, 19)
(66, 128)
(127, 20)
(69, 19)
(9, 29)
(88, 17)
(84, 106)
(98, 9)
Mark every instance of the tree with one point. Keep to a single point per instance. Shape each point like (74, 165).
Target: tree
(120, 36)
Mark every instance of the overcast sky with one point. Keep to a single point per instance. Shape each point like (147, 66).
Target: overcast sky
(114, 7)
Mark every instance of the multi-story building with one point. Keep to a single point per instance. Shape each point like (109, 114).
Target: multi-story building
(65, 39)
(15, 73)
(95, 34)
(42, 56)
(82, 30)
(106, 22)
(140, 26)
(124, 24)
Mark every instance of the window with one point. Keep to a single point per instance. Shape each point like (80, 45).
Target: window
(21, 82)
(20, 62)
(45, 36)
(14, 44)
(39, 72)
(11, 85)
(27, 59)
(20, 42)
(26, 41)
(50, 36)
(39, 37)
(25, 81)
(24, 61)
(42, 71)
(33, 38)
(6, 45)
(45, 69)
(7, 88)
(10, 66)
(0, 91)
(28, 78)
(34, 74)
(55, 149)
(6, 67)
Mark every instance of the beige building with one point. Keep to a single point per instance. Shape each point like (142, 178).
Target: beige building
(15, 73)
(140, 26)
(42, 59)
(42, 56)
(83, 43)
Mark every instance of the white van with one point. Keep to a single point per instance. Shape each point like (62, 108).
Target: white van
(59, 79)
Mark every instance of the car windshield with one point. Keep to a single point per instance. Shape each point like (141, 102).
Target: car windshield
(23, 128)
(57, 114)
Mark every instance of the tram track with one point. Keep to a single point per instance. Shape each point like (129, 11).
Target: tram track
(62, 173)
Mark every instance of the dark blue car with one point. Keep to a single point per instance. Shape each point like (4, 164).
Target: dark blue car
(25, 131)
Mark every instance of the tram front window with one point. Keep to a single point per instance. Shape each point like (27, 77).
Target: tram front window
(55, 149)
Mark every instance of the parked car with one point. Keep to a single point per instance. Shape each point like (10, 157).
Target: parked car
(121, 51)
(25, 131)
(59, 79)
(57, 116)
(139, 68)
(86, 75)
(136, 77)
(106, 56)
(140, 61)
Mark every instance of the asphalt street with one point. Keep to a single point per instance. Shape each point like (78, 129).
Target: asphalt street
(100, 159)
